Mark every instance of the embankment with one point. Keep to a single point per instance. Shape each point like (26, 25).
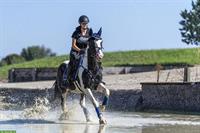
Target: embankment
(18, 98)
(174, 96)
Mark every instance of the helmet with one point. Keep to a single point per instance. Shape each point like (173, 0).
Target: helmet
(83, 19)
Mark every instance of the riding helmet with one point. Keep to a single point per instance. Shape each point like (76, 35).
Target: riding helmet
(83, 19)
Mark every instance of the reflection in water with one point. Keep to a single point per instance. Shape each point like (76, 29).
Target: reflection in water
(83, 128)
(101, 129)
(118, 122)
(171, 129)
(76, 128)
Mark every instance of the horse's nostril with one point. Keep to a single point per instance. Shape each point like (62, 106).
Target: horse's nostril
(99, 56)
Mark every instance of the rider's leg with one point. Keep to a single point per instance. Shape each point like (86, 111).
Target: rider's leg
(102, 88)
(71, 66)
(96, 105)
(85, 110)
(74, 61)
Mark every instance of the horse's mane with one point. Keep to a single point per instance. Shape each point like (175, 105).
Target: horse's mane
(94, 66)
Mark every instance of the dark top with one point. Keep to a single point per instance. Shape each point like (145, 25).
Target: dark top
(81, 41)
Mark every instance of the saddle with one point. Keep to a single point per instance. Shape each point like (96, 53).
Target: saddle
(91, 79)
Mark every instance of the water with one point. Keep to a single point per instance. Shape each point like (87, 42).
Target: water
(42, 119)
(118, 122)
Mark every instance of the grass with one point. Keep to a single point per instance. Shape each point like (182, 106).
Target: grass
(122, 58)
(151, 57)
(44, 62)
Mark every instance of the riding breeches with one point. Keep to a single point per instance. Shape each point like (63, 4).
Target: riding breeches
(73, 64)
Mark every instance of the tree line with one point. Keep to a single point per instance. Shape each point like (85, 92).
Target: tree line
(27, 54)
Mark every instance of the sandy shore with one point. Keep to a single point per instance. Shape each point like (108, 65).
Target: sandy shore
(125, 81)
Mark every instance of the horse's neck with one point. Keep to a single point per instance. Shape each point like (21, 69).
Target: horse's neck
(85, 59)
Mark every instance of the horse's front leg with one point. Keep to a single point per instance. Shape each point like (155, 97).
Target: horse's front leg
(85, 110)
(96, 105)
(64, 114)
(101, 88)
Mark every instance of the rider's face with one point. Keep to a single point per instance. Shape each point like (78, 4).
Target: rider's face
(84, 25)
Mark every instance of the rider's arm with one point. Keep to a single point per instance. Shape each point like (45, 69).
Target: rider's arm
(74, 45)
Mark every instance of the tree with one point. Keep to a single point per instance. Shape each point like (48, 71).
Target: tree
(3, 63)
(190, 30)
(12, 59)
(36, 52)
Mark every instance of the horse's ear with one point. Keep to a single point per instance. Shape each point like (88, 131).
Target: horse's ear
(100, 31)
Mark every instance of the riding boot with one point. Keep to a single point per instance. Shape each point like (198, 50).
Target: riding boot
(74, 72)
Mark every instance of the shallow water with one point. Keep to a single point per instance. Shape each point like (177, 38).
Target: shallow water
(42, 118)
(118, 122)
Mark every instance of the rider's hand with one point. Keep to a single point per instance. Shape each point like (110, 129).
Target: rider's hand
(82, 51)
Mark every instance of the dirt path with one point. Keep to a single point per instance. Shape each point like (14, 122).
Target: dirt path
(127, 81)
(120, 81)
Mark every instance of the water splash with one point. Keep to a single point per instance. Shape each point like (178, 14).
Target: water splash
(75, 112)
(41, 112)
(38, 111)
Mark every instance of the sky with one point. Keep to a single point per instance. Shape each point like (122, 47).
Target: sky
(126, 24)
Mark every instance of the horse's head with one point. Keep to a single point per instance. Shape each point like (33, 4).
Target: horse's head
(96, 45)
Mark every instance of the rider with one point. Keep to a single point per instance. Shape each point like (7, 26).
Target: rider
(80, 39)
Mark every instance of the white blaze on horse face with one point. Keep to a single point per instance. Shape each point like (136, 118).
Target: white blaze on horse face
(99, 52)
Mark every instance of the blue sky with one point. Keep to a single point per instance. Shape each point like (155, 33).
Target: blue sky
(127, 24)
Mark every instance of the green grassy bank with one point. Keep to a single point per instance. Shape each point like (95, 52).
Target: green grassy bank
(122, 58)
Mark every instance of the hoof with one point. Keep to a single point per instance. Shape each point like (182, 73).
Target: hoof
(102, 108)
(89, 120)
(64, 116)
(102, 122)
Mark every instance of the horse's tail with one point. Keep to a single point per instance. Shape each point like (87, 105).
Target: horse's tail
(57, 84)
(56, 90)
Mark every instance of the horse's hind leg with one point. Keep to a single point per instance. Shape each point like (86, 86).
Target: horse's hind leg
(85, 110)
(64, 115)
(64, 101)
(101, 88)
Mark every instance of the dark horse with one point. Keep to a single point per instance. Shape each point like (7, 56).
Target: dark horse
(89, 77)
